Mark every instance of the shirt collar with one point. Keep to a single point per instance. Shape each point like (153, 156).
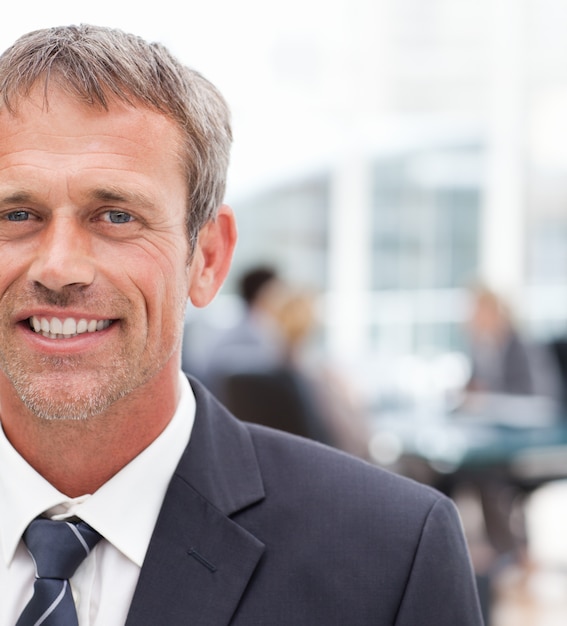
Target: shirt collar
(124, 510)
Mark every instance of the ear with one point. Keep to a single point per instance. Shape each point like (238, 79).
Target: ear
(212, 257)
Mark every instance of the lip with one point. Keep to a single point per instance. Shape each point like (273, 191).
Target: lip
(25, 314)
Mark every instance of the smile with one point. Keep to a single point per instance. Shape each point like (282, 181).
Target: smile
(69, 327)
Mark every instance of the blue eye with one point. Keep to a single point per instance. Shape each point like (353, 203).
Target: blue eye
(18, 216)
(119, 217)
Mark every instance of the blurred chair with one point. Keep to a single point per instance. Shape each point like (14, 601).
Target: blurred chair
(278, 398)
(558, 348)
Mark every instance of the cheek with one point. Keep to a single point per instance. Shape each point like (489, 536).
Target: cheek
(162, 294)
(16, 258)
(157, 268)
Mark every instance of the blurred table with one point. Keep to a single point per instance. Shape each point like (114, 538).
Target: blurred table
(518, 443)
(523, 437)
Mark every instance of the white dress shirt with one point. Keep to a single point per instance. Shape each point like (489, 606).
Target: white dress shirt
(124, 511)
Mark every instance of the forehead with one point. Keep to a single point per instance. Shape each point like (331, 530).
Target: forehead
(61, 134)
(65, 123)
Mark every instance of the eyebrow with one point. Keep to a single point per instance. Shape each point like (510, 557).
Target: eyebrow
(18, 197)
(101, 194)
(111, 194)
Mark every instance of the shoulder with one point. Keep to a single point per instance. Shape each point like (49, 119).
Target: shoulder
(315, 476)
(319, 462)
(344, 541)
(294, 469)
(381, 534)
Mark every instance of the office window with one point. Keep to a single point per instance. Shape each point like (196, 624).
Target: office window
(288, 227)
(425, 213)
(425, 232)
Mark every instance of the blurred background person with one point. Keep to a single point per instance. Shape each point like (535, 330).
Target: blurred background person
(514, 382)
(341, 408)
(255, 342)
(266, 367)
(502, 360)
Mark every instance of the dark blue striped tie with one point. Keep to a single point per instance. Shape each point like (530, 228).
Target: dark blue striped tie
(57, 548)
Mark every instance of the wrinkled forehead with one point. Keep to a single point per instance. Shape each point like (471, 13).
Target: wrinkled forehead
(73, 139)
(56, 116)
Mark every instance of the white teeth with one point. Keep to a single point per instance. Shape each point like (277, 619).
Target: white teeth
(70, 327)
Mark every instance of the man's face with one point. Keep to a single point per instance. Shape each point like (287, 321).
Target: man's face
(94, 255)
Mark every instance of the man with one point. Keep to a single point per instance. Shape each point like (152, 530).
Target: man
(112, 169)
(255, 343)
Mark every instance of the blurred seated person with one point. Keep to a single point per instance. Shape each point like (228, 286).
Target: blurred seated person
(338, 403)
(248, 367)
(260, 369)
(255, 342)
(502, 360)
(512, 379)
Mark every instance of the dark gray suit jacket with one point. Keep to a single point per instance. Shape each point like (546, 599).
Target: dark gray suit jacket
(259, 528)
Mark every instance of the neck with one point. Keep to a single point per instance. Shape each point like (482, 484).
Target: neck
(79, 456)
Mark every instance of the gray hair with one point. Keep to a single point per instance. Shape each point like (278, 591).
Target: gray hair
(95, 64)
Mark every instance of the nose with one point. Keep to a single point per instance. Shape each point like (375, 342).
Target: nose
(63, 256)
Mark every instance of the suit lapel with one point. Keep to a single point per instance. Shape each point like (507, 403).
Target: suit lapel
(199, 561)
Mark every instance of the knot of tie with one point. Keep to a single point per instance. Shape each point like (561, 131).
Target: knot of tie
(57, 548)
